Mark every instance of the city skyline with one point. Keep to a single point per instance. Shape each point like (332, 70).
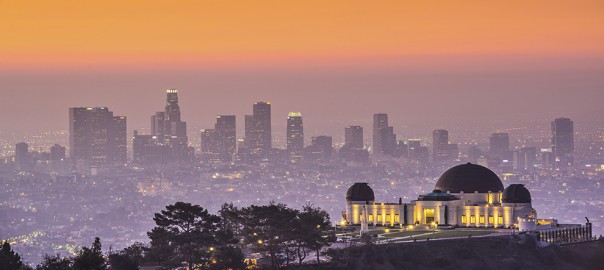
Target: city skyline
(273, 134)
(436, 64)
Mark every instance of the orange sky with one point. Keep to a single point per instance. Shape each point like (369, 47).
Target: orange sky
(68, 33)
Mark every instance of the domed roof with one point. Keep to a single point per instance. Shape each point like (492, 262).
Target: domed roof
(516, 193)
(469, 178)
(360, 192)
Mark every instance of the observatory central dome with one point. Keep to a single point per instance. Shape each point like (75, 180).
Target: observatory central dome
(360, 192)
(469, 178)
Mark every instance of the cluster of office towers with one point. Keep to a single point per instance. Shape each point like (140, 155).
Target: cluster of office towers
(98, 138)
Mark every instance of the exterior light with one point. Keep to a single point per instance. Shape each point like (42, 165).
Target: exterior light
(211, 248)
(260, 242)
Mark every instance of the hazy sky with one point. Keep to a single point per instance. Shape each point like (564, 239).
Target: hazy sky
(434, 62)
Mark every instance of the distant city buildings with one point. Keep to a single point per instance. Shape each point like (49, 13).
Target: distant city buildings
(563, 142)
(57, 153)
(97, 138)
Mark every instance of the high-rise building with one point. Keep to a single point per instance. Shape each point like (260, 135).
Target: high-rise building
(212, 149)
(499, 145)
(295, 136)
(524, 159)
(380, 122)
(173, 125)
(321, 147)
(258, 138)
(226, 125)
(353, 137)
(219, 144)
(149, 150)
(119, 135)
(168, 142)
(22, 156)
(563, 144)
(262, 114)
(57, 152)
(440, 146)
(96, 137)
(158, 123)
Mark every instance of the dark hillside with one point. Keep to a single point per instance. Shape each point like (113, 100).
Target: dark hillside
(469, 254)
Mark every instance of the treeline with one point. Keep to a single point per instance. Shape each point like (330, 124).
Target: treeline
(186, 235)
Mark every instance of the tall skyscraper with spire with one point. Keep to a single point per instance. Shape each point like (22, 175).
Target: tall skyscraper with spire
(168, 141)
(563, 144)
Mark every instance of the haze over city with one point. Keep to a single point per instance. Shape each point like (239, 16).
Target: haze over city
(307, 130)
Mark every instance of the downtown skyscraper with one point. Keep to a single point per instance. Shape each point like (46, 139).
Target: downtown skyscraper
(440, 146)
(97, 137)
(168, 141)
(499, 146)
(384, 139)
(353, 137)
(295, 136)
(258, 137)
(220, 144)
(563, 144)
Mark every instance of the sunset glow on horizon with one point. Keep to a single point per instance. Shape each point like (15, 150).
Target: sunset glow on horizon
(65, 34)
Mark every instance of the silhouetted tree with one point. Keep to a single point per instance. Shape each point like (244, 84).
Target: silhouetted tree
(120, 261)
(268, 229)
(228, 257)
(56, 262)
(315, 228)
(186, 232)
(9, 259)
(90, 258)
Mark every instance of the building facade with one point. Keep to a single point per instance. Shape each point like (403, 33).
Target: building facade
(466, 195)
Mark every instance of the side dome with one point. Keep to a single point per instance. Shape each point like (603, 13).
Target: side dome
(360, 192)
(516, 193)
(469, 178)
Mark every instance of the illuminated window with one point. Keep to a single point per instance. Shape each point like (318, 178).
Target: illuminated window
(379, 218)
(472, 219)
(481, 219)
(397, 218)
(464, 219)
(491, 220)
(500, 220)
(371, 218)
(388, 218)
